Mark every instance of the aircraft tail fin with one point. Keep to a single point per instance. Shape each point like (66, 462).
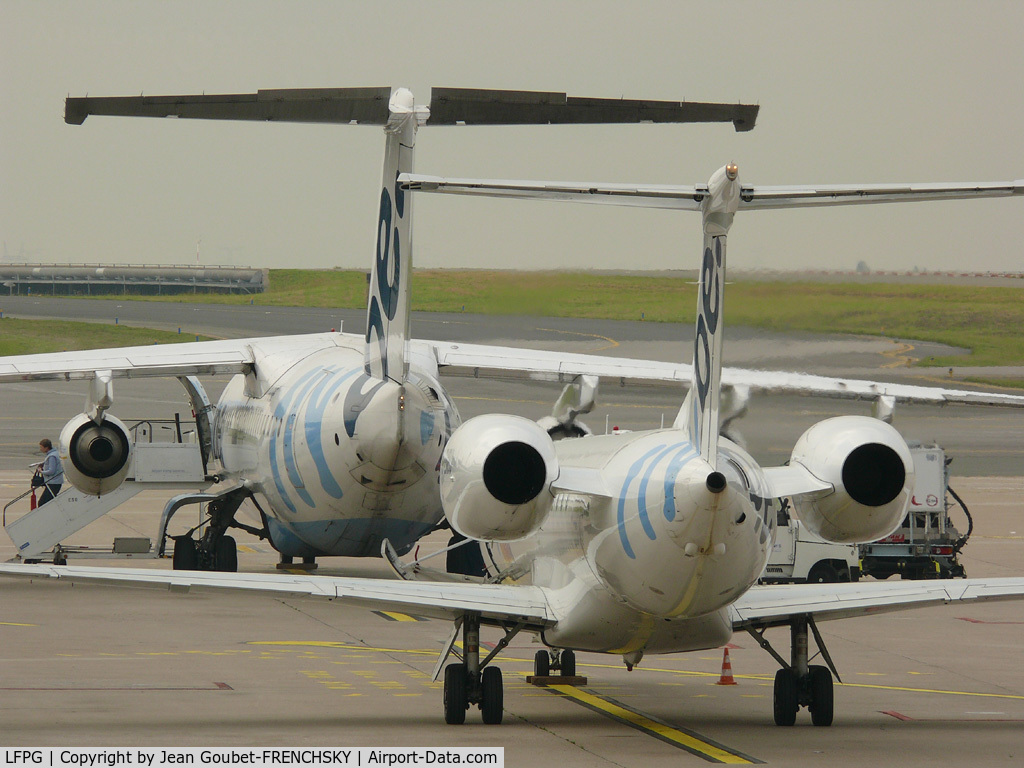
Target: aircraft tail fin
(700, 412)
(387, 312)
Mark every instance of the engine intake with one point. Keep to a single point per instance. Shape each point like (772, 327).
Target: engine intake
(95, 456)
(514, 472)
(495, 475)
(872, 473)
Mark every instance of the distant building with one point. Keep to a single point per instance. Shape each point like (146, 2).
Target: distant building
(100, 279)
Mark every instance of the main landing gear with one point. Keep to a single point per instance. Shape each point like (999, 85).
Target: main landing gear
(215, 550)
(799, 684)
(471, 681)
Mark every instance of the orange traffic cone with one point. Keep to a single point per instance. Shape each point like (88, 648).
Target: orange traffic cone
(726, 678)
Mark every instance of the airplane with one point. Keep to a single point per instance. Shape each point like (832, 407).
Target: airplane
(645, 542)
(339, 434)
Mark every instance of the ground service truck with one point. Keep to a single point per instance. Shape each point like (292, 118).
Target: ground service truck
(925, 546)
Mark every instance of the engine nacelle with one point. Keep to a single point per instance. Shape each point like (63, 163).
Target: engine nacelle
(496, 472)
(872, 472)
(95, 456)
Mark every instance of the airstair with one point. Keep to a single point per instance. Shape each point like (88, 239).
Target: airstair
(39, 534)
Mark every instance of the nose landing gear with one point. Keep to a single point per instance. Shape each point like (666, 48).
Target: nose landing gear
(553, 659)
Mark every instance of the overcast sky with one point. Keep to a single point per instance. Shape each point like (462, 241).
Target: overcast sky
(849, 92)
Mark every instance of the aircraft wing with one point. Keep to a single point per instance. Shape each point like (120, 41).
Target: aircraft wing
(690, 198)
(770, 606)
(439, 600)
(188, 359)
(473, 359)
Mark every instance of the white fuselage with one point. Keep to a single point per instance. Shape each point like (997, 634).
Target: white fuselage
(652, 564)
(344, 460)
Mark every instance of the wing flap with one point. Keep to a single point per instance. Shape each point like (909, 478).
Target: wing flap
(775, 605)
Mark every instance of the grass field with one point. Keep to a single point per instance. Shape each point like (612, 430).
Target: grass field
(986, 320)
(29, 337)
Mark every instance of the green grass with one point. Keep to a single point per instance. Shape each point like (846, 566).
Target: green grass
(986, 320)
(1008, 383)
(29, 337)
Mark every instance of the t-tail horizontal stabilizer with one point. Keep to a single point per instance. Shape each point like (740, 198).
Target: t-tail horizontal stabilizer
(448, 106)
(691, 198)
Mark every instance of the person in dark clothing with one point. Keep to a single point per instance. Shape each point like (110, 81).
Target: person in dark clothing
(50, 472)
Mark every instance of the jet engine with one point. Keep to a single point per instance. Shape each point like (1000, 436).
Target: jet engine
(95, 456)
(496, 472)
(871, 471)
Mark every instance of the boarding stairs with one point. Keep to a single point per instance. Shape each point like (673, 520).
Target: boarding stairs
(39, 534)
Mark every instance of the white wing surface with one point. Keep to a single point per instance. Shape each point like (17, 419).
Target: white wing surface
(238, 355)
(690, 198)
(775, 605)
(759, 607)
(473, 359)
(188, 359)
(440, 600)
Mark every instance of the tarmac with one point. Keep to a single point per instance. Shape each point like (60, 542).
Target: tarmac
(100, 666)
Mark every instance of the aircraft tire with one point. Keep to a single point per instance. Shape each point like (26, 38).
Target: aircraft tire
(822, 702)
(225, 556)
(491, 696)
(567, 659)
(456, 694)
(185, 557)
(541, 664)
(785, 699)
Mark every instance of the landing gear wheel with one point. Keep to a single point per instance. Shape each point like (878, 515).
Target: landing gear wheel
(491, 696)
(456, 694)
(225, 555)
(185, 557)
(541, 664)
(785, 698)
(819, 683)
(567, 659)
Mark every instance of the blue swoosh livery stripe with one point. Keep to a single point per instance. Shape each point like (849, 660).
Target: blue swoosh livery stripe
(314, 429)
(275, 469)
(621, 513)
(641, 499)
(680, 460)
